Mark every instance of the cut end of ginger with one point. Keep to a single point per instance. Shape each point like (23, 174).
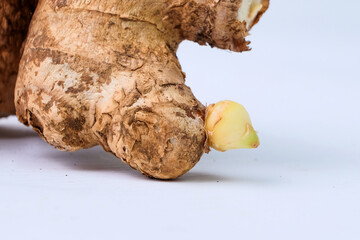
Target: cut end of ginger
(228, 126)
(248, 11)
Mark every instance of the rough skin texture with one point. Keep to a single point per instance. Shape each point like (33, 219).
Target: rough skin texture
(106, 72)
(15, 16)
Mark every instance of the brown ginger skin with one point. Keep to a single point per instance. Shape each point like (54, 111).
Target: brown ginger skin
(15, 16)
(106, 72)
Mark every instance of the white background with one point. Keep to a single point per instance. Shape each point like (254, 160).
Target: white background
(300, 84)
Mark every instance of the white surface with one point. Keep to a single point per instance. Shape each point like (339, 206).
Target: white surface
(301, 86)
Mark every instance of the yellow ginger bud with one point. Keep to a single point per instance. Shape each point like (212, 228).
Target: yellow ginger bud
(229, 127)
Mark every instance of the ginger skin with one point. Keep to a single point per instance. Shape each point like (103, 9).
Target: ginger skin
(15, 17)
(106, 72)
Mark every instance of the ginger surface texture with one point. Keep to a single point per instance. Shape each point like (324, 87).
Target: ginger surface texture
(15, 17)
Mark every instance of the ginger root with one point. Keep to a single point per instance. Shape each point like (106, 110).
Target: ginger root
(15, 17)
(106, 72)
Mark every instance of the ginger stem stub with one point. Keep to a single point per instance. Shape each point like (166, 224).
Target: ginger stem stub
(228, 126)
